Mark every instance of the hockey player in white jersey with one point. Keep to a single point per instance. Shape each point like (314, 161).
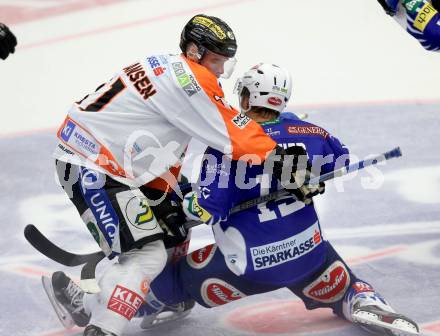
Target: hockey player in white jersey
(420, 18)
(125, 137)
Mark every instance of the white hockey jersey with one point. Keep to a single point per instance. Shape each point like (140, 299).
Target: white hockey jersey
(137, 125)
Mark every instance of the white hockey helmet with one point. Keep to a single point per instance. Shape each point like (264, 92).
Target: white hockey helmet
(269, 86)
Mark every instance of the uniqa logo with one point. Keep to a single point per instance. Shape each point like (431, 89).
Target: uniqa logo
(104, 216)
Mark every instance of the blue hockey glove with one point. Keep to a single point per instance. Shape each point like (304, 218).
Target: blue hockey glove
(193, 210)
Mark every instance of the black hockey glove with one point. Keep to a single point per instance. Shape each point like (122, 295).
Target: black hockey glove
(7, 41)
(292, 169)
(388, 9)
(173, 223)
(170, 216)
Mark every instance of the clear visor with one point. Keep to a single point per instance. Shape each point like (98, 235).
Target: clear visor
(238, 87)
(228, 67)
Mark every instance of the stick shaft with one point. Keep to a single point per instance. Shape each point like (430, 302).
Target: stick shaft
(393, 153)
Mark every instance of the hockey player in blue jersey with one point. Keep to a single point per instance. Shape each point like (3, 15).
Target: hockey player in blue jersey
(278, 243)
(275, 244)
(420, 18)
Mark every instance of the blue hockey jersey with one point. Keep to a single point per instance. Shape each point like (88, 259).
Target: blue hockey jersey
(279, 241)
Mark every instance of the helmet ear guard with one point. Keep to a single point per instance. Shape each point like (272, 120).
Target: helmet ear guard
(197, 53)
(240, 91)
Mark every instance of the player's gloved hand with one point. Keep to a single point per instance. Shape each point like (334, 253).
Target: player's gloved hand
(308, 190)
(390, 6)
(7, 41)
(174, 220)
(194, 211)
(170, 216)
(292, 169)
(191, 207)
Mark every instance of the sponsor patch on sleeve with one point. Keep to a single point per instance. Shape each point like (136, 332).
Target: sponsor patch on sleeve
(186, 81)
(240, 120)
(413, 5)
(77, 138)
(155, 65)
(67, 130)
(424, 16)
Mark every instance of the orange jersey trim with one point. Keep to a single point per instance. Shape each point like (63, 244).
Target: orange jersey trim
(160, 183)
(246, 136)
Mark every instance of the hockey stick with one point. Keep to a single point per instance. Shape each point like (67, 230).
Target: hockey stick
(50, 250)
(394, 153)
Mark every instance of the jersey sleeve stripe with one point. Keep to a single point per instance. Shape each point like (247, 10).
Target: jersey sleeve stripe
(246, 136)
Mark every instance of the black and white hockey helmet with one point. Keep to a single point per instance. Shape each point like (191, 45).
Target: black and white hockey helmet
(211, 33)
(269, 86)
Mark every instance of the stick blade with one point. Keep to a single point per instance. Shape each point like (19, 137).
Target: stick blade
(50, 250)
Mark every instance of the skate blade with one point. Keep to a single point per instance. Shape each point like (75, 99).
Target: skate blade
(359, 317)
(151, 322)
(61, 312)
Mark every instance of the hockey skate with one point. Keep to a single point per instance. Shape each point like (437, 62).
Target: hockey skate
(381, 322)
(364, 306)
(167, 313)
(66, 299)
(92, 330)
